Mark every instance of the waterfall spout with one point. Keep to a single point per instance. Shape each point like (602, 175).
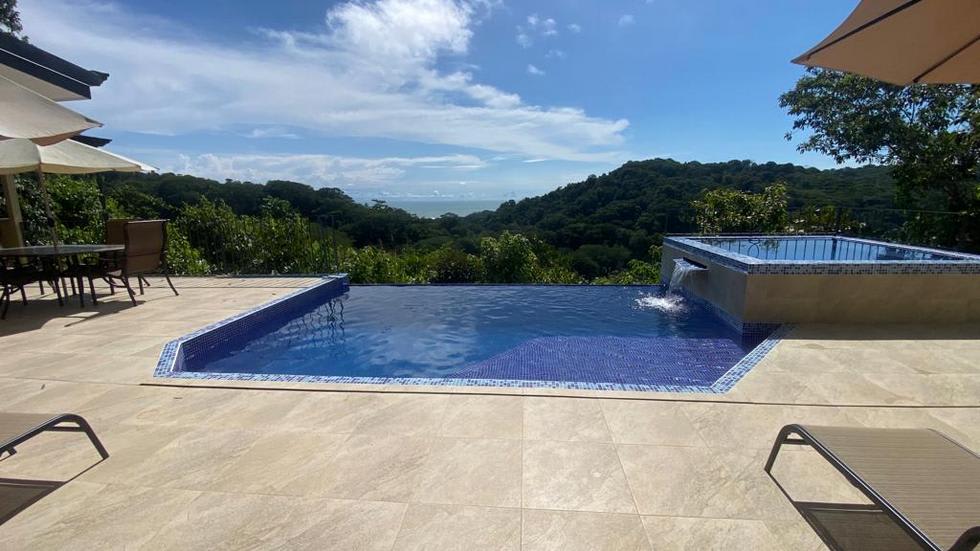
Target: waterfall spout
(682, 270)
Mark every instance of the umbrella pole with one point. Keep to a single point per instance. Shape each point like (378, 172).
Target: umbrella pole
(47, 207)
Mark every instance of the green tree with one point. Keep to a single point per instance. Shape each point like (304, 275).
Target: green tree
(10, 19)
(726, 210)
(451, 265)
(508, 258)
(928, 133)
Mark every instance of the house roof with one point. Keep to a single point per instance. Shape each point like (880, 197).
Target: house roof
(44, 72)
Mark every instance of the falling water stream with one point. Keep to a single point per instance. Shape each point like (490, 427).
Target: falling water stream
(671, 301)
(682, 270)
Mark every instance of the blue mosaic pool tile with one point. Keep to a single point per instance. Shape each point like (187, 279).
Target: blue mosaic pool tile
(609, 360)
(176, 353)
(639, 364)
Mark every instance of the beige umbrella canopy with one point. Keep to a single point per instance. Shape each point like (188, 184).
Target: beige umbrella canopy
(27, 114)
(66, 157)
(905, 42)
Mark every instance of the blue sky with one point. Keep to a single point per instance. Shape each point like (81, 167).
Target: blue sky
(480, 99)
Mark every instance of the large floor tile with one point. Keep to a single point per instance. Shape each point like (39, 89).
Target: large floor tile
(192, 460)
(668, 480)
(573, 530)
(575, 476)
(93, 516)
(374, 467)
(707, 534)
(649, 422)
(405, 415)
(471, 472)
(281, 462)
(458, 527)
(568, 419)
(479, 416)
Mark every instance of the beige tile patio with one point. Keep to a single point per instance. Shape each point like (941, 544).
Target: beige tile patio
(688, 481)
(374, 467)
(346, 466)
(704, 534)
(574, 530)
(191, 461)
(575, 476)
(280, 462)
(568, 419)
(471, 472)
(82, 515)
(339, 412)
(480, 416)
(459, 527)
(405, 414)
(649, 422)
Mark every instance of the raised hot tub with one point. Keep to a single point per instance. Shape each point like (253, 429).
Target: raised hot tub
(756, 281)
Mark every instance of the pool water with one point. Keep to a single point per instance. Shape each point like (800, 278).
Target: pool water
(590, 334)
(834, 249)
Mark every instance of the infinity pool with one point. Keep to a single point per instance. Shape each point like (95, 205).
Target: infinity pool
(628, 337)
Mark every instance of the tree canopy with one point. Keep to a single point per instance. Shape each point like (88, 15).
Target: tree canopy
(928, 133)
(10, 19)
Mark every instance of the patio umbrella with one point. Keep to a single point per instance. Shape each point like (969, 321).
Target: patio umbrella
(66, 157)
(27, 114)
(905, 42)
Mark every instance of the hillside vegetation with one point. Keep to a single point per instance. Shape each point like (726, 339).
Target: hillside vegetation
(604, 229)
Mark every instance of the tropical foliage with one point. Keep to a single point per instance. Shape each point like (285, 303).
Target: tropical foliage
(606, 229)
(928, 134)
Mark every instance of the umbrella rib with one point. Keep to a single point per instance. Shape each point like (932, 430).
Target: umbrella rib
(947, 58)
(864, 26)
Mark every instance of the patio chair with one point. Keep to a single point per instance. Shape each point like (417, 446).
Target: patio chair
(16, 276)
(115, 234)
(146, 252)
(924, 488)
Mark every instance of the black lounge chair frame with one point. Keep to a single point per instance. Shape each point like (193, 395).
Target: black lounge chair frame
(970, 539)
(55, 424)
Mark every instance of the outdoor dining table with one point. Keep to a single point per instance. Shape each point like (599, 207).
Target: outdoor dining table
(71, 253)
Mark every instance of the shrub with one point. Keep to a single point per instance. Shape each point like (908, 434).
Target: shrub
(451, 265)
(509, 258)
(726, 210)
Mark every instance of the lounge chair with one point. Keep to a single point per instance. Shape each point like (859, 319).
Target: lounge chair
(923, 486)
(17, 428)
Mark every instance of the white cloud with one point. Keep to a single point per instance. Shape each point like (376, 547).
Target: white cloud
(317, 170)
(574, 27)
(536, 26)
(555, 54)
(272, 132)
(548, 27)
(371, 71)
(532, 70)
(626, 20)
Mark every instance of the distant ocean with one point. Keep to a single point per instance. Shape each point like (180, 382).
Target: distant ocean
(436, 208)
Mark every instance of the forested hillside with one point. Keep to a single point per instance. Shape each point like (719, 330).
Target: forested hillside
(602, 227)
(627, 207)
(632, 204)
